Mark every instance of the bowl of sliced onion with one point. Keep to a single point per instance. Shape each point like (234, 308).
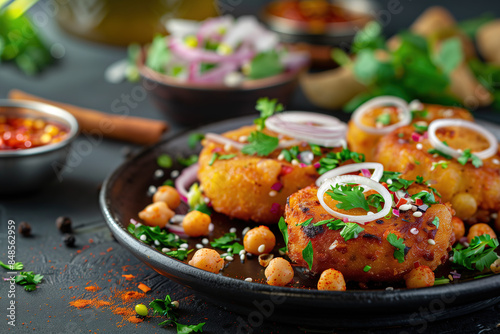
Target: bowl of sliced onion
(218, 68)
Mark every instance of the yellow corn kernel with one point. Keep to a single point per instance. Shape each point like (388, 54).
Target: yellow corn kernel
(191, 41)
(224, 49)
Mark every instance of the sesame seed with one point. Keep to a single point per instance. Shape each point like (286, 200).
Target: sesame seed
(295, 162)
(281, 156)
(419, 146)
(176, 237)
(414, 231)
(232, 230)
(496, 161)
(157, 243)
(165, 250)
(174, 173)
(211, 227)
(228, 147)
(417, 214)
(448, 113)
(184, 245)
(199, 246)
(414, 208)
(182, 249)
(143, 237)
(204, 241)
(333, 245)
(405, 207)
(245, 231)
(242, 257)
(389, 288)
(273, 193)
(242, 139)
(261, 248)
(431, 242)
(159, 173)
(151, 190)
(389, 181)
(230, 250)
(242, 252)
(248, 279)
(224, 255)
(229, 258)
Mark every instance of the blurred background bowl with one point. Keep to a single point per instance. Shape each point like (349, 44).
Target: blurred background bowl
(194, 103)
(26, 170)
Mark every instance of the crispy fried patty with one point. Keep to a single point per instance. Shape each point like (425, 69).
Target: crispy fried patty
(371, 247)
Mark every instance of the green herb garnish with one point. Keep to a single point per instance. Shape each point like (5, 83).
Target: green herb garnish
(367, 268)
(348, 197)
(420, 128)
(396, 182)
(267, 108)
(158, 54)
(265, 64)
(477, 256)
(227, 241)
(384, 119)
(180, 254)
(442, 163)
(16, 266)
(349, 230)
(305, 223)
(308, 254)
(399, 243)
(152, 234)
(468, 156)
(28, 279)
(426, 197)
(164, 161)
(217, 156)
(191, 160)
(376, 201)
(194, 139)
(284, 231)
(435, 221)
(165, 307)
(260, 144)
(441, 281)
(438, 152)
(333, 160)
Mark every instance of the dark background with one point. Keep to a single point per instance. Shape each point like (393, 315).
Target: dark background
(78, 79)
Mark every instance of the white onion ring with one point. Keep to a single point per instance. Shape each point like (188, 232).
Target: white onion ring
(330, 132)
(224, 140)
(436, 143)
(188, 176)
(378, 102)
(361, 180)
(376, 176)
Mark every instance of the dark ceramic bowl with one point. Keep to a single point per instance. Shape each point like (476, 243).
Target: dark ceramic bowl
(195, 104)
(123, 195)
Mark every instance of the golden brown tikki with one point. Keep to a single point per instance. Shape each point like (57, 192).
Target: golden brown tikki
(458, 158)
(382, 115)
(344, 224)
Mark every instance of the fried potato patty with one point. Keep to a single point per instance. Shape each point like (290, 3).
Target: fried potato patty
(242, 187)
(364, 142)
(371, 247)
(455, 182)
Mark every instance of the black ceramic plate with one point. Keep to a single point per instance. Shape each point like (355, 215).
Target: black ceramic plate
(124, 194)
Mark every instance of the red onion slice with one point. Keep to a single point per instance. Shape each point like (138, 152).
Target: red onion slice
(404, 112)
(188, 176)
(224, 140)
(361, 180)
(378, 170)
(311, 127)
(440, 123)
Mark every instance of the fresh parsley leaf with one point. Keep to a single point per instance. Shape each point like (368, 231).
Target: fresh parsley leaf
(399, 253)
(158, 55)
(152, 234)
(419, 113)
(28, 279)
(203, 207)
(260, 144)
(191, 160)
(169, 182)
(164, 307)
(420, 128)
(228, 242)
(194, 139)
(164, 161)
(332, 224)
(442, 163)
(438, 152)
(384, 119)
(468, 156)
(16, 266)
(186, 329)
(308, 254)
(367, 268)
(180, 254)
(435, 221)
(267, 108)
(450, 55)
(376, 201)
(348, 197)
(419, 179)
(315, 149)
(334, 159)
(426, 197)
(284, 231)
(305, 223)
(477, 256)
(396, 182)
(265, 64)
(351, 231)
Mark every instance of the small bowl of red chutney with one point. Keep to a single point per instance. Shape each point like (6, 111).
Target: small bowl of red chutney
(35, 140)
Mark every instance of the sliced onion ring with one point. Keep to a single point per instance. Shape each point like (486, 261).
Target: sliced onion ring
(381, 101)
(440, 123)
(223, 140)
(310, 127)
(377, 173)
(185, 180)
(361, 180)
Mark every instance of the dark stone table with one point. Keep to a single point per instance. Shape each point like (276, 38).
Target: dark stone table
(97, 259)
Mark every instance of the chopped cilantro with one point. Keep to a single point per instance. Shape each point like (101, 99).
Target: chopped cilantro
(284, 231)
(349, 230)
(228, 241)
(397, 182)
(435, 221)
(315, 149)
(191, 160)
(16, 266)
(260, 144)
(267, 108)
(165, 307)
(305, 223)
(158, 54)
(334, 159)
(348, 197)
(169, 182)
(419, 113)
(367, 268)
(419, 179)
(28, 279)
(384, 119)
(152, 234)
(164, 161)
(420, 128)
(438, 152)
(308, 254)
(217, 156)
(376, 201)
(194, 139)
(291, 154)
(180, 254)
(203, 207)
(468, 156)
(265, 64)
(477, 256)
(442, 163)
(426, 197)
(399, 243)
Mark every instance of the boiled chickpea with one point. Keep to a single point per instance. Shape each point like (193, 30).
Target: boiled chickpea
(458, 227)
(420, 277)
(331, 280)
(168, 195)
(259, 240)
(464, 204)
(495, 267)
(279, 272)
(196, 223)
(480, 229)
(156, 214)
(207, 259)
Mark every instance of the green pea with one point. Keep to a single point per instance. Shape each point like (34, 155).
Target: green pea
(141, 309)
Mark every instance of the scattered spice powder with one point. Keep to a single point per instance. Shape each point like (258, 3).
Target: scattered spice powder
(92, 288)
(81, 303)
(135, 320)
(128, 277)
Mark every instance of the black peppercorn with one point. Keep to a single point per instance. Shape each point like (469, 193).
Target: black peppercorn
(24, 229)
(69, 240)
(64, 224)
